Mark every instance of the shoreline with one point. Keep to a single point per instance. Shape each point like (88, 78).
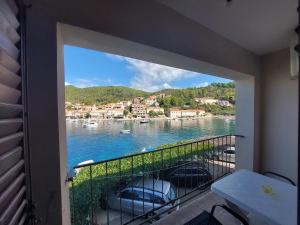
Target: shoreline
(155, 119)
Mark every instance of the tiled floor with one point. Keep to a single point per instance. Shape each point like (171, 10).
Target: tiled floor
(191, 210)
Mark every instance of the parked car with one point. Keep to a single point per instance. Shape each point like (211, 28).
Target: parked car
(188, 173)
(142, 196)
(190, 177)
(227, 155)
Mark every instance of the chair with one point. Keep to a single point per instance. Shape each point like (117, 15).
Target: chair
(266, 173)
(206, 218)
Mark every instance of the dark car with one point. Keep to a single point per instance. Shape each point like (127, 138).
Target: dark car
(187, 174)
(190, 177)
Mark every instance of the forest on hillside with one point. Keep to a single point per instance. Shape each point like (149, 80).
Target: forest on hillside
(175, 97)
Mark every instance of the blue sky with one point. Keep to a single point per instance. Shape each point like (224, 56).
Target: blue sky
(87, 68)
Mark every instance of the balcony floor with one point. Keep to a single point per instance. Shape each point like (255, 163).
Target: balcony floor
(194, 208)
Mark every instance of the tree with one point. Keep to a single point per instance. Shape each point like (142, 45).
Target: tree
(87, 115)
(153, 114)
(125, 113)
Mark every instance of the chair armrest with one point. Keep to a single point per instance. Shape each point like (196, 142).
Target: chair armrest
(230, 211)
(281, 176)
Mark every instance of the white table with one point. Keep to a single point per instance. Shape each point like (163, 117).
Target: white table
(245, 189)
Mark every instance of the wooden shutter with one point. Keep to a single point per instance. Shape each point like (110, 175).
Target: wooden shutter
(13, 166)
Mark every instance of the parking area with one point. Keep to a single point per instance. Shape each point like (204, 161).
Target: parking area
(115, 217)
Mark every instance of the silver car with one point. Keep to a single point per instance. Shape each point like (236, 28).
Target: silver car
(143, 196)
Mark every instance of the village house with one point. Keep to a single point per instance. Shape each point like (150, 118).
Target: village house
(224, 103)
(126, 103)
(174, 113)
(138, 110)
(98, 114)
(151, 100)
(112, 113)
(192, 113)
(203, 101)
(119, 105)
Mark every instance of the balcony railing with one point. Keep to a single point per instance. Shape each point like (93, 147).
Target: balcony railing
(143, 187)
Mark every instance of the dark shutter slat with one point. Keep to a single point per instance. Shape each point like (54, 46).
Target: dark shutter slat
(10, 175)
(8, 46)
(9, 142)
(9, 14)
(9, 126)
(13, 206)
(7, 29)
(10, 192)
(12, 5)
(9, 95)
(8, 62)
(23, 219)
(18, 214)
(8, 111)
(14, 162)
(9, 159)
(8, 78)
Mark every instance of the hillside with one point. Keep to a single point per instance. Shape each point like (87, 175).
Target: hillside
(103, 95)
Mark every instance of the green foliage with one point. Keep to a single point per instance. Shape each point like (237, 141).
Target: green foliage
(87, 115)
(176, 97)
(153, 114)
(125, 112)
(101, 95)
(220, 110)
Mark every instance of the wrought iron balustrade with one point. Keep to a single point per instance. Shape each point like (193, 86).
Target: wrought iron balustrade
(140, 188)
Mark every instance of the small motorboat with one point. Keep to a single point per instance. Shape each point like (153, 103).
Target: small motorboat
(77, 170)
(90, 124)
(125, 131)
(144, 121)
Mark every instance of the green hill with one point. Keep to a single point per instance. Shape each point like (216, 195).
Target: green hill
(178, 97)
(101, 95)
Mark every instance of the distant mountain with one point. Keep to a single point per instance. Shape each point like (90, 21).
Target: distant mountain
(108, 94)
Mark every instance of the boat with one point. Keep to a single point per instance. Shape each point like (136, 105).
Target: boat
(144, 121)
(77, 170)
(125, 131)
(90, 124)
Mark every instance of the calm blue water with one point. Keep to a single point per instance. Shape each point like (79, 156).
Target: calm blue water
(106, 141)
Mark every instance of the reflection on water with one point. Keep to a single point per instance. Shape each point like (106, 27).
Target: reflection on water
(106, 141)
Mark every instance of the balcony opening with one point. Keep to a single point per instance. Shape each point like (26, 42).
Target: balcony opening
(143, 138)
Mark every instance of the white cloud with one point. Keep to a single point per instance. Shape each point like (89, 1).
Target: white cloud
(83, 83)
(203, 84)
(153, 77)
(67, 83)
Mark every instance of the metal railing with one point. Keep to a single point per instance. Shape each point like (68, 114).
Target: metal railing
(141, 188)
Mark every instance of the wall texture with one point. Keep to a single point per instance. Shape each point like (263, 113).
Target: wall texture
(279, 121)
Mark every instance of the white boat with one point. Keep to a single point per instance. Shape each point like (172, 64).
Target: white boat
(90, 124)
(77, 170)
(144, 121)
(125, 131)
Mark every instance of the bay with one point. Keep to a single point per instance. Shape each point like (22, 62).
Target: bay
(106, 142)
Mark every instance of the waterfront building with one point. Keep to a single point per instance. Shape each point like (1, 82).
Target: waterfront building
(203, 101)
(112, 113)
(138, 110)
(98, 114)
(174, 113)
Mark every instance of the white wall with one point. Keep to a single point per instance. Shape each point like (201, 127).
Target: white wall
(279, 120)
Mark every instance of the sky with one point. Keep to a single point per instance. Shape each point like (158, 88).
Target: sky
(88, 68)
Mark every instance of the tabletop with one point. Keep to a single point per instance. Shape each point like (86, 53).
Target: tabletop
(273, 200)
